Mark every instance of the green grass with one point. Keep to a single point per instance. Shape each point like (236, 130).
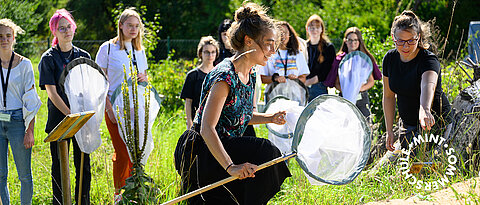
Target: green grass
(388, 183)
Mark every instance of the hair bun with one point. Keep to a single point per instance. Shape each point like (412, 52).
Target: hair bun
(247, 11)
(409, 13)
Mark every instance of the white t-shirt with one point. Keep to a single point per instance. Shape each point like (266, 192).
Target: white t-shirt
(296, 64)
(116, 59)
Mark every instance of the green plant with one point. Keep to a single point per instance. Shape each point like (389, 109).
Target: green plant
(139, 187)
(167, 76)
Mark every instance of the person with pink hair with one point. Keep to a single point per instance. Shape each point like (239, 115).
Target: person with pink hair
(51, 65)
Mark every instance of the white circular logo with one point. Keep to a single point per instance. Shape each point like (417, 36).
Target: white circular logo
(435, 182)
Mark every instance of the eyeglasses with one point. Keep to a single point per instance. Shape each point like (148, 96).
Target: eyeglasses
(411, 42)
(210, 53)
(63, 29)
(312, 28)
(348, 40)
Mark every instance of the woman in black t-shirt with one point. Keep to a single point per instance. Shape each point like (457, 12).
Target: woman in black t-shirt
(207, 51)
(412, 78)
(51, 65)
(320, 56)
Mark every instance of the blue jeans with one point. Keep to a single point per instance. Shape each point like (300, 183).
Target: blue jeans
(316, 90)
(13, 132)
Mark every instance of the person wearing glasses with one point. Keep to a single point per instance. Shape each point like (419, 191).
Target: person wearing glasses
(214, 148)
(412, 79)
(124, 50)
(51, 65)
(207, 51)
(321, 54)
(353, 41)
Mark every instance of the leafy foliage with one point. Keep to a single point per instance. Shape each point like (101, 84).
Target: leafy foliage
(25, 15)
(168, 76)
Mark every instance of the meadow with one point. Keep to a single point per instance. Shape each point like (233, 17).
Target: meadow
(386, 183)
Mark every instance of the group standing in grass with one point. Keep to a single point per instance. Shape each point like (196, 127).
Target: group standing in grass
(219, 97)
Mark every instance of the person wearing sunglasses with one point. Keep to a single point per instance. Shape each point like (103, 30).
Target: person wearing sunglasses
(353, 41)
(412, 79)
(207, 51)
(214, 148)
(51, 66)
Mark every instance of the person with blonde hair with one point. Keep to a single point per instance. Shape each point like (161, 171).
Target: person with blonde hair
(111, 57)
(20, 103)
(321, 54)
(219, 149)
(412, 78)
(207, 52)
(53, 62)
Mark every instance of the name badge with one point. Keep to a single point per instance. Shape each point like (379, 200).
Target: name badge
(4, 117)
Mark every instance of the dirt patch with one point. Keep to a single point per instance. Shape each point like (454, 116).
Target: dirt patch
(467, 192)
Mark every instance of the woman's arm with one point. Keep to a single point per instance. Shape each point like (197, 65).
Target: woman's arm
(188, 112)
(303, 78)
(56, 99)
(337, 84)
(29, 139)
(213, 108)
(427, 86)
(263, 118)
(142, 77)
(368, 84)
(389, 112)
(311, 81)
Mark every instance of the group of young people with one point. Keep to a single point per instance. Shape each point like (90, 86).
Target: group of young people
(225, 83)
(215, 144)
(20, 100)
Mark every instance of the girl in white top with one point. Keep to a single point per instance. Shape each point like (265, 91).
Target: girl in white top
(288, 61)
(19, 104)
(111, 56)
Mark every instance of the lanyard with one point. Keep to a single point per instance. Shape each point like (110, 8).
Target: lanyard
(134, 61)
(65, 61)
(286, 61)
(5, 84)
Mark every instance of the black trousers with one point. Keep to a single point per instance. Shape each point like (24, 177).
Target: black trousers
(57, 177)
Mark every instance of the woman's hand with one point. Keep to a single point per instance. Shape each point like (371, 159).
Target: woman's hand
(242, 171)
(281, 79)
(279, 118)
(390, 140)
(28, 140)
(292, 77)
(142, 77)
(426, 118)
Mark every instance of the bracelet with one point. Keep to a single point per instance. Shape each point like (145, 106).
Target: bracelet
(226, 169)
(274, 76)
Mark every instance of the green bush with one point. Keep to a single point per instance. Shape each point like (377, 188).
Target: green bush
(167, 76)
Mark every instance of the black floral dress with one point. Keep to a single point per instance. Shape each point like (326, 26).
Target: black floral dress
(199, 168)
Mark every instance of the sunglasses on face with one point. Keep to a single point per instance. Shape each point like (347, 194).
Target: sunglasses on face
(349, 40)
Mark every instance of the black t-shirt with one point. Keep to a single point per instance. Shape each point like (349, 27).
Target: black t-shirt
(223, 53)
(320, 69)
(404, 80)
(51, 66)
(192, 88)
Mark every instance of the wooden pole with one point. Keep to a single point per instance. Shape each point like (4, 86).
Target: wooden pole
(66, 192)
(229, 179)
(79, 201)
